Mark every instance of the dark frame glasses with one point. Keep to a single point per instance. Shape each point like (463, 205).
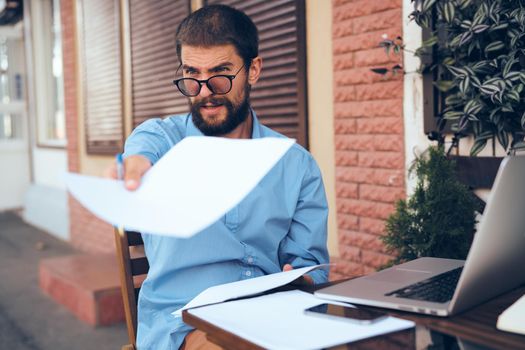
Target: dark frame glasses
(219, 84)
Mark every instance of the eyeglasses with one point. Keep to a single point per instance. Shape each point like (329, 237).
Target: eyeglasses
(218, 84)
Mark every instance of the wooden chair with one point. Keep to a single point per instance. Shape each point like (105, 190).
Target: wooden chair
(133, 266)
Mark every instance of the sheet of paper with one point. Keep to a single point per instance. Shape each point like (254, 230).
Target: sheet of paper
(192, 186)
(252, 286)
(277, 321)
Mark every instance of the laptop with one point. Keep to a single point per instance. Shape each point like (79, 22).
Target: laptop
(443, 287)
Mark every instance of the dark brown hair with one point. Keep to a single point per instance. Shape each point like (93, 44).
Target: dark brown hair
(219, 25)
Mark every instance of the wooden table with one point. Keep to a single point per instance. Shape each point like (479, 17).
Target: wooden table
(477, 326)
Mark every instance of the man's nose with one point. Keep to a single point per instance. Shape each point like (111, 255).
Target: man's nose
(205, 91)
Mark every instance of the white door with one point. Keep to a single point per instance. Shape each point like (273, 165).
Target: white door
(14, 144)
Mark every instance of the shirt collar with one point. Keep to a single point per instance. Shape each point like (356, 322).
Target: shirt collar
(192, 130)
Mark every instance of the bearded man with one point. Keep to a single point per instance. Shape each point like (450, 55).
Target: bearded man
(280, 225)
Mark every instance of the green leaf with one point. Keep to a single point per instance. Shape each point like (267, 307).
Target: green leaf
(463, 4)
(523, 121)
(480, 28)
(457, 72)
(494, 46)
(428, 4)
(478, 146)
(503, 138)
(449, 10)
(464, 84)
(452, 115)
(444, 85)
(513, 95)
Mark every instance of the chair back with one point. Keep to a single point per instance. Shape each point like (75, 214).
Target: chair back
(133, 267)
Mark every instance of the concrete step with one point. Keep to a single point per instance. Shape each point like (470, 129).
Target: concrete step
(86, 284)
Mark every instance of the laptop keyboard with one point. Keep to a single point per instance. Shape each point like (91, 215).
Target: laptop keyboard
(437, 289)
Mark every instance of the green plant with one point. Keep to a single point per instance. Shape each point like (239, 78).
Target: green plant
(477, 54)
(438, 218)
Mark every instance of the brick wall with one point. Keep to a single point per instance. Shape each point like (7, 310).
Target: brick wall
(368, 131)
(87, 232)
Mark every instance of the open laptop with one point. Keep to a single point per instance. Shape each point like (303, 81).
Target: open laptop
(495, 263)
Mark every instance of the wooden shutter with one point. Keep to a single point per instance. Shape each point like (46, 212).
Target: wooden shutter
(279, 97)
(154, 58)
(102, 75)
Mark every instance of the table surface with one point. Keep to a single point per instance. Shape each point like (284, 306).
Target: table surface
(476, 326)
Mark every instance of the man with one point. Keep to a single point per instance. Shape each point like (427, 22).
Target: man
(280, 225)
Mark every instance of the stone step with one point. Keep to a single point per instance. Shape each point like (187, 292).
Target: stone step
(86, 284)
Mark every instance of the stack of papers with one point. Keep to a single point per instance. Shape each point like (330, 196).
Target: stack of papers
(277, 321)
(193, 185)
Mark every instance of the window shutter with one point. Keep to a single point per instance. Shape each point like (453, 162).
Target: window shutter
(102, 76)
(154, 58)
(279, 97)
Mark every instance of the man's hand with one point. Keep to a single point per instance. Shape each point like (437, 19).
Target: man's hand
(304, 278)
(134, 168)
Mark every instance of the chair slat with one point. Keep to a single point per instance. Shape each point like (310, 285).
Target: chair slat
(139, 266)
(134, 238)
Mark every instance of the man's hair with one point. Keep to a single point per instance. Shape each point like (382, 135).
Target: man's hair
(219, 25)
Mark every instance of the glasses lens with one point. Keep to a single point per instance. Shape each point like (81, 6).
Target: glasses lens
(220, 84)
(188, 86)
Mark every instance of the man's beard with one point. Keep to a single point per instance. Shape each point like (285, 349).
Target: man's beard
(235, 114)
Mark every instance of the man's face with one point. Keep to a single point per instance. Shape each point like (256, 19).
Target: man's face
(217, 115)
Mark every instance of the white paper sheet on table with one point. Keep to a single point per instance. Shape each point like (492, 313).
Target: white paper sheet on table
(252, 286)
(189, 188)
(277, 321)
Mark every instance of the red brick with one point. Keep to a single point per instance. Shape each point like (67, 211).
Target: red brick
(379, 91)
(390, 20)
(347, 222)
(345, 126)
(362, 240)
(385, 160)
(362, 8)
(389, 143)
(342, 29)
(350, 253)
(354, 142)
(375, 259)
(346, 190)
(343, 61)
(346, 158)
(345, 269)
(373, 226)
(378, 108)
(380, 125)
(381, 193)
(344, 76)
(363, 41)
(363, 208)
(345, 93)
(375, 57)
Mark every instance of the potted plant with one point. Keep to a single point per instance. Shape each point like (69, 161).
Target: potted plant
(438, 219)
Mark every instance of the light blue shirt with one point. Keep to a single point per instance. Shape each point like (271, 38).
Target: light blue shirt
(282, 221)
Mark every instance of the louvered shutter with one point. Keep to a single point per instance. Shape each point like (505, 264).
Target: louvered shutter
(279, 97)
(102, 76)
(154, 58)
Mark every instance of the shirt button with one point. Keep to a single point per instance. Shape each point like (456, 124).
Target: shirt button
(250, 260)
(248, 273)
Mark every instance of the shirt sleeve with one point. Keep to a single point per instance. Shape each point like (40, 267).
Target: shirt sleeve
(305, 244)
(150, 139)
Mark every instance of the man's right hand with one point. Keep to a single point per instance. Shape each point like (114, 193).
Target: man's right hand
(134, 168)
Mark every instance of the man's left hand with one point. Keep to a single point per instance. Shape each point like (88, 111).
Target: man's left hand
(304, 278)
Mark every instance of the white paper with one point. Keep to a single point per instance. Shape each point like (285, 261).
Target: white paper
(192, 186)
(277, 321)
(252, 286)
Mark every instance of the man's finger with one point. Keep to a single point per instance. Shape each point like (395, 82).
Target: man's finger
(134, 169)
(287, 267)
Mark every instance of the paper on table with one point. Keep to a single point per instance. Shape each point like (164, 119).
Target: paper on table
(277, 321)
(253, 286)
(192, 186)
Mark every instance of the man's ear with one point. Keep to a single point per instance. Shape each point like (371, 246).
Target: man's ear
(255, 70)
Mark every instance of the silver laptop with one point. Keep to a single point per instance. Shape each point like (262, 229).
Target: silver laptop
(495, 263)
